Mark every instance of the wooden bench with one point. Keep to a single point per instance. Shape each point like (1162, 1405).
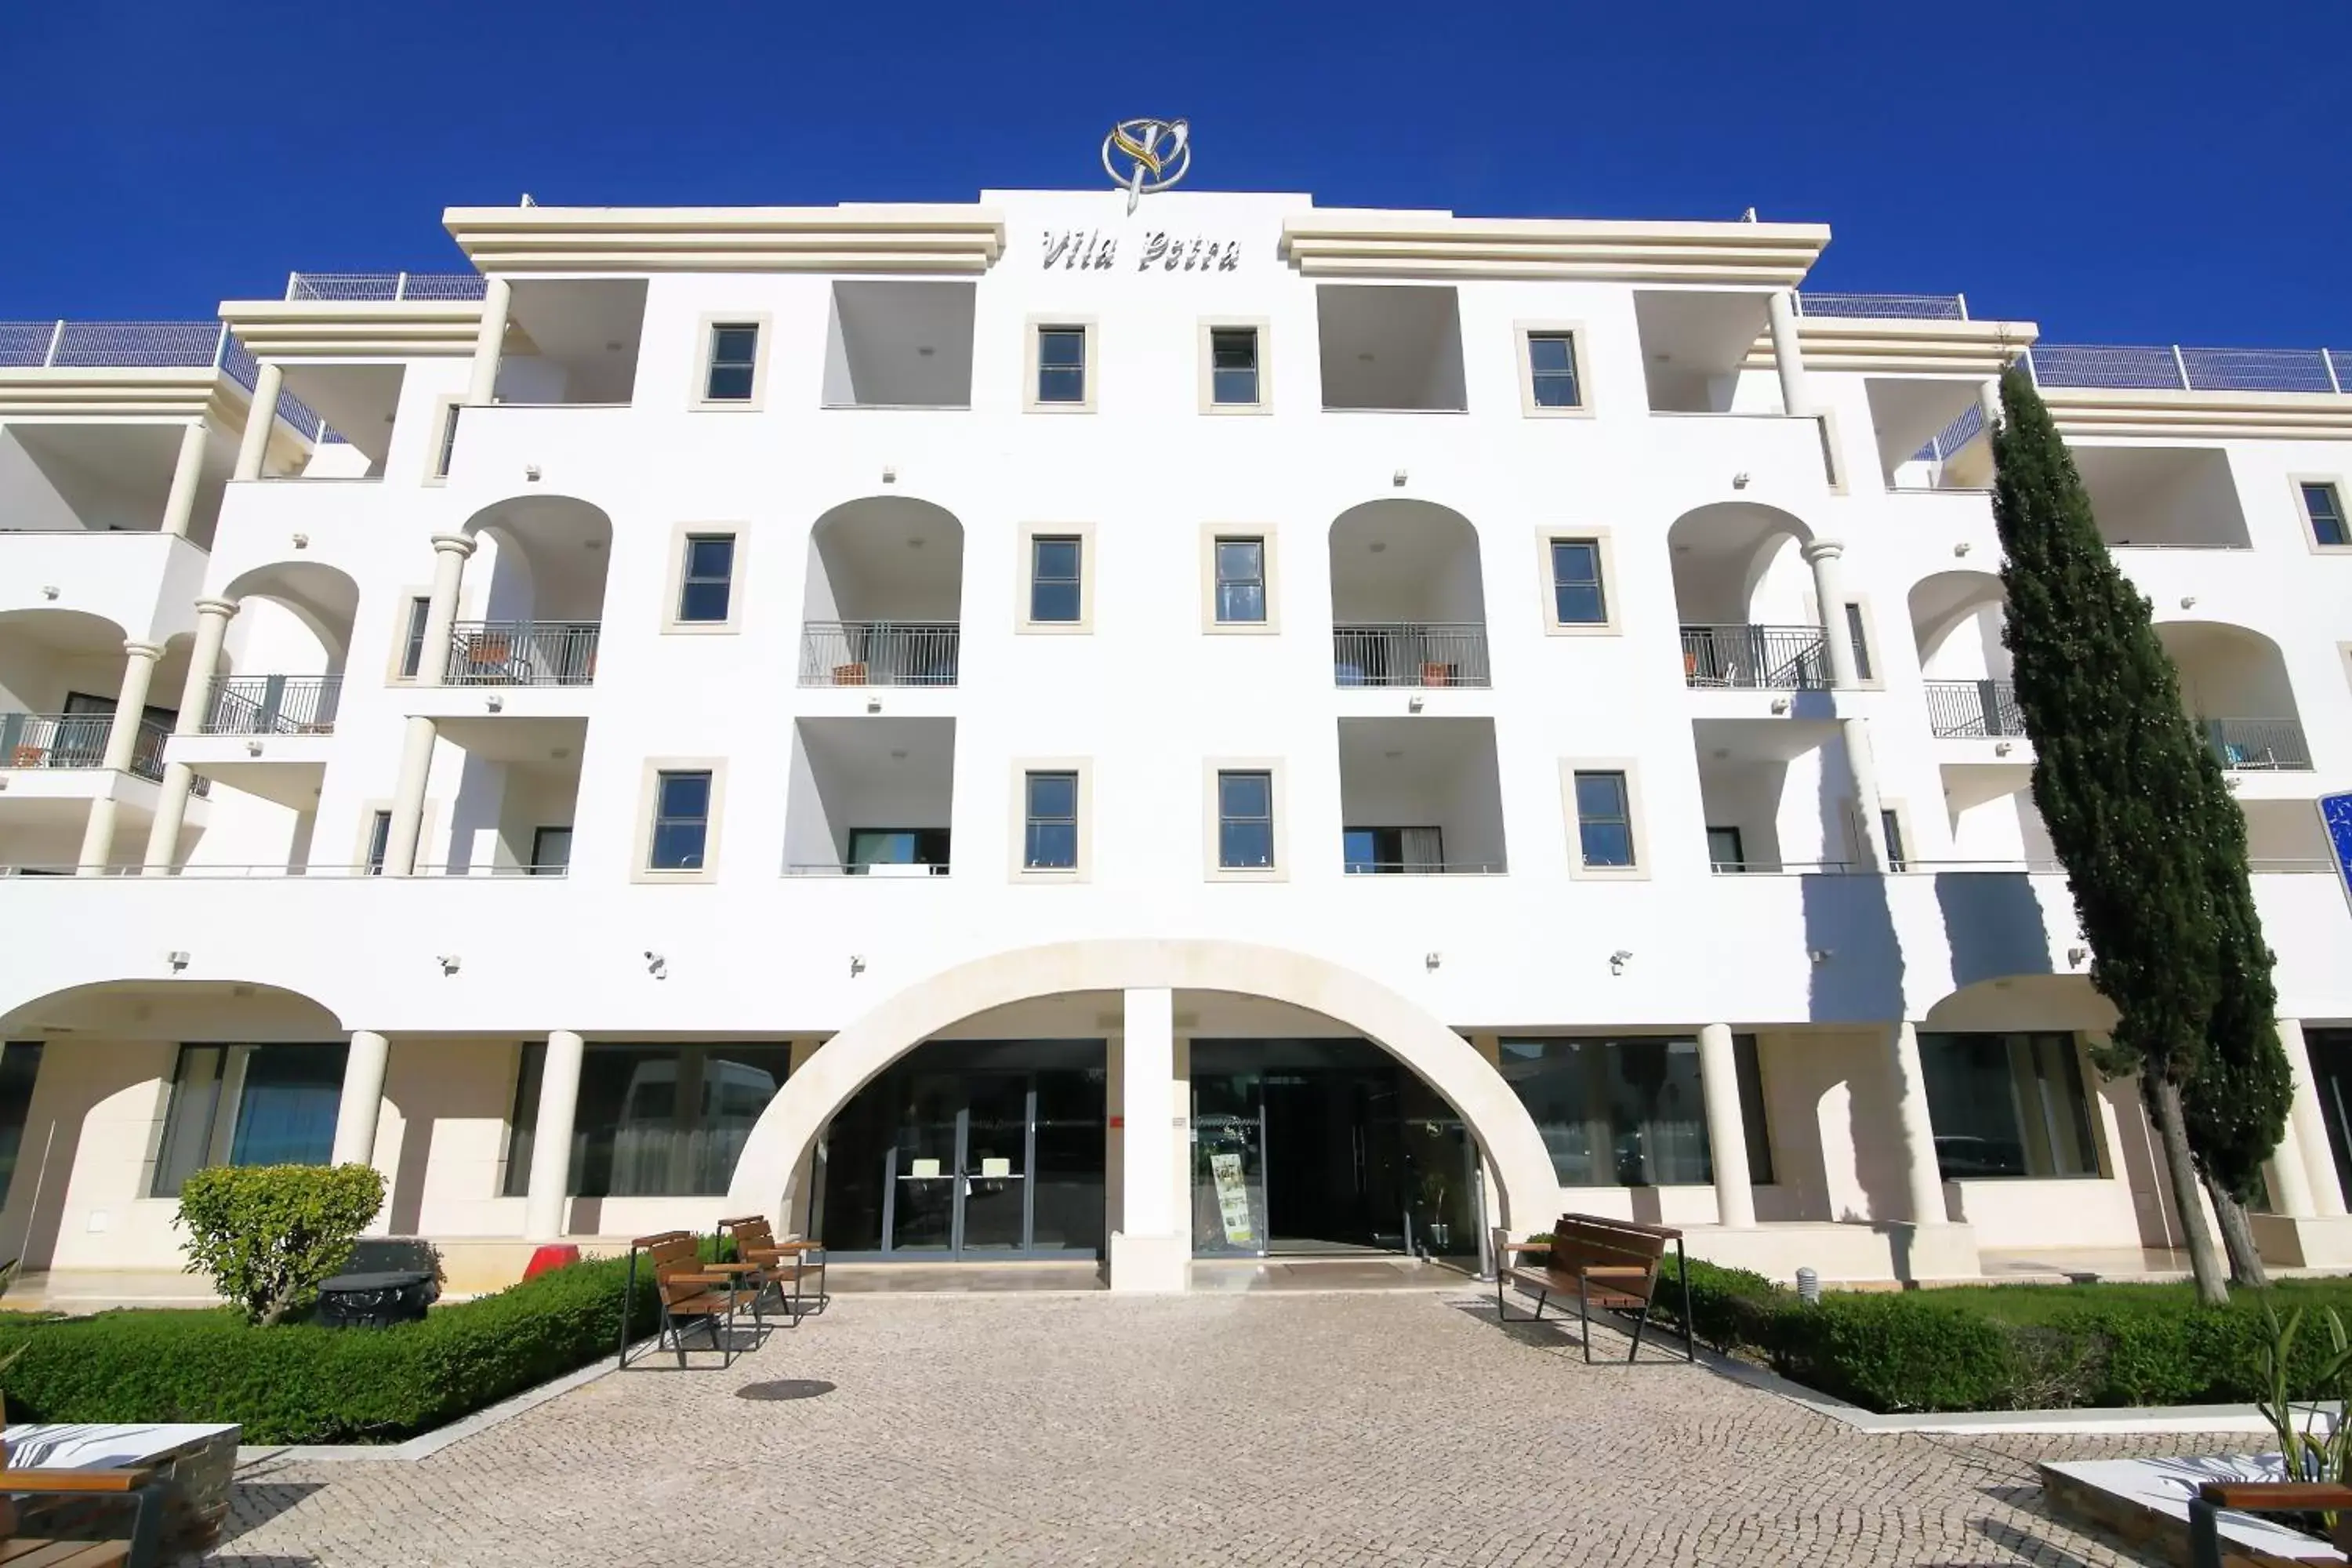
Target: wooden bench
(26, 1544)
(688, 1291)
(2207, 1549)
(1611, 1264)
(781, 1261)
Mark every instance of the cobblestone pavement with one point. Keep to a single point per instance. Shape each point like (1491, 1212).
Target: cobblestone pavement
(1349, 1429)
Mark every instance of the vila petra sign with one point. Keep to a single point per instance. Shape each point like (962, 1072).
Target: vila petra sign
(1091, 250)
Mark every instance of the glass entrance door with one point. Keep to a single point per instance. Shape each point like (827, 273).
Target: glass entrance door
(994, 1193)
(927, 1161)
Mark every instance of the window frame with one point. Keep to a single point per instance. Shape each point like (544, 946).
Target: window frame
(1523, 360)
(1031, 532)
(364, 831)
(1605, 560)
(1033, 364)
(1636, 828)
(682, 538)
(1264, 534)
(1716, 867)
(1018, 868)
(441, 449)
(396, 672)
(2334, 484)
(2080, 1077)
(641, 867)
(1212, 769)
(706, 349)
(228, 1084)
(1209, 327)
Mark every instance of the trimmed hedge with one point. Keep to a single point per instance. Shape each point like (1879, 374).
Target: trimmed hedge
(297, 1382)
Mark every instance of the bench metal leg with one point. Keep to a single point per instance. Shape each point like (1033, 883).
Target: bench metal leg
(1584, 1316)
(1641, 1321)
(1690, 1329)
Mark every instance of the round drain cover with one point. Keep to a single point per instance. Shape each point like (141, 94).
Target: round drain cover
(785, 1388)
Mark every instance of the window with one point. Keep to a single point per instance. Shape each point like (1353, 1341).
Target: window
(550, 851)
(1604, 821)
(1577, 597)
(1861, 643)
(706, 580)
(681, 821)
(1062, 365)
(1245, 821)
(412, 647)
(1384, 851)
(652, 1121)
(1890, 823)
(1551, 369)
(448, 446)
(2323, 508)
(379, 840)
(1056, 585)
(1241, 582)
(1050, 840)
(872, 847)
(1724, 850)
(734, 360)
(1630, 1112)
(1233, 366)
(2008, 1105)
(20, 1064)
(249, 1105)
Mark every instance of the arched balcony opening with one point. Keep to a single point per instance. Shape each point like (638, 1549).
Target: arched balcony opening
(1742, 590)
(2233, 680)
(1408, 598)
(547, 558)
(884, 600)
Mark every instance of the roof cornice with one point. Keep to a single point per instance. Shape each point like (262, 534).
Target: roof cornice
(292, 330)
(856, 239)
(1756, 254)
(2163, 415)
(1899, 345)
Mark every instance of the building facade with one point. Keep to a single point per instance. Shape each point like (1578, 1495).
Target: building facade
(1389, 725)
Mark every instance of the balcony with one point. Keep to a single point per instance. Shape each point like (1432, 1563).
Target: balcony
(1390, 347)
(1755, 659)
(899, 343)
(2172, 368)
(1973, 710)
(273, 705)
(522, 653)
(879, 653)
(2163, 497)
(870, 797)
(2257, 746)
(1409, 653)
(1419, 797)
(70, 741)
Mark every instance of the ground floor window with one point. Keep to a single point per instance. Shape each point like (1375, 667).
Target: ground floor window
(651, 1121)
(249, 1105)
(2008, 1105)
(20, 1064)
(1630, 1113)
(2331, 1075)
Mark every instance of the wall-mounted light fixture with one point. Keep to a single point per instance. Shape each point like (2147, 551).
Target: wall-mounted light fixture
(2188, 601)
(48, 590)
(450, 963)
(1619, 960)
(1397, 478)
(177, 958)
(1413, 704)
(1739, 480)
(1430, 961)
(495, 704)
(890, 473)
(874, 705)
(1962, 548)
(1818, 954)
(656, 965)
(531, 472)
(2001, 748)
(302, 542)
(1780, 705)
(253, 747)
(2075, 956)
(856, 965)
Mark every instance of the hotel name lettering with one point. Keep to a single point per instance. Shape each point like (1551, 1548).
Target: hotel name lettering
(1091, 250)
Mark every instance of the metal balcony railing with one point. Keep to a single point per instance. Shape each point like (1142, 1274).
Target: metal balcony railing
(146, 345)
(1426, 869)
(386, 285)
(522, 653)
(1409, 653)
(1883, 306)
(2257, 745)
(1952, 438)
(879, 653)
(1768, 659)
(1968, 709)
(54, 740)
(2171, 367)
(273, 705)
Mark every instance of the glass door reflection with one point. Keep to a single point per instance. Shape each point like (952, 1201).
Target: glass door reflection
(994, 1192)
(927, 1166)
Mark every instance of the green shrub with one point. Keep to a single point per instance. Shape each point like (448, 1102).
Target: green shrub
(268, 1234)
(296, 1383)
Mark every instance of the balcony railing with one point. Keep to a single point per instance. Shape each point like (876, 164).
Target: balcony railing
(388, 286)
(1945, 443)
(145, 345)
(1767, 659)
(1409, 653)
(1970, 710)
(78, 741)
(2257, 745)
(522, 653)
(2170, 367)
(879, 653)
(1883, 306)
(273, 705)
(1424, 869)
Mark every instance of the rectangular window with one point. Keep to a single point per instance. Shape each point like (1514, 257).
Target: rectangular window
(2008, 1105)
(412, 647)
(1245, 821)
(681, 821)
(1241, 582)
(705, 579)
(249, 1105)
(2322, 506)
(653, 1121)
(1061, 365)
(448, 447)
(1232, 365)
(1626, 1112)
(379, 841)
(2331, 1071)
(1387, 851)
(1055, 582)
(734, 357)
(1724, 850)
(1861, 643)
(1552, 363)
(1604, 822)
(1890, 825)
(1050, 842)
(20, 1064)
(1750, 1069)
(870, 846)
(550, 851)
(1578, 598)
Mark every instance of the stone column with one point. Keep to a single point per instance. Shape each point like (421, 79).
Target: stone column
(1726, 1130)
(1989, 399)
(497, 296)
(187, 473)
(1144, 1253)
(408, 797)
(121, 747)
(551, 1140)
(2307, 1128)
(1823, 556)
(260, 421)
(1923, 1183)
(450, 550)
(362, 1101)
(1788, 358)
(195, 697)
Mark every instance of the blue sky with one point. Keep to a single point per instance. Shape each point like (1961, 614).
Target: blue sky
(2120, 172)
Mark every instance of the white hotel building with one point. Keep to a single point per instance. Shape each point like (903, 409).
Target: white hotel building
(1037, 729)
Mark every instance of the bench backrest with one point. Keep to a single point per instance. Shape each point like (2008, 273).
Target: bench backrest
(1581, 1241)
(749, 1235)
(674, 1253)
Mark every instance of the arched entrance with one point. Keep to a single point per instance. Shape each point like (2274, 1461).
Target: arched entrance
(1149, 1157)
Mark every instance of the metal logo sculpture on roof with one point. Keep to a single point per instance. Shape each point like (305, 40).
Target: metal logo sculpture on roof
(1145, 155)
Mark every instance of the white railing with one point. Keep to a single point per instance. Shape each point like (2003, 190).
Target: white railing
(522, 653)
(1885, 307)
(2173, 368)
(1953, 437)
(388, 286)
(878, 653)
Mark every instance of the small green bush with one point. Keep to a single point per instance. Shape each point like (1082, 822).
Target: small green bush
(297, 1382)
(268, 1234)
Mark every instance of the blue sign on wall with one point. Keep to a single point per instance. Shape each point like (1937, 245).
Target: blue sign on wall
(2336, 811)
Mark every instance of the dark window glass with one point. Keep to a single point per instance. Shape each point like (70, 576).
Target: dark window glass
(1055, 582)
(1861, 642)
(448, 441)
(1241, 581)
(1051, 838)
(1625, 1113)
(2324, 504)
(734, 354)
(1061, 365)
(522, 1120)
(653, 1121)
(1551, 362)
(706, 578)
(550, 851)
(897, 846)
(1897, 856)
(412, 649)
(1246, 820)
(681, 821)
(1604, 828)
(379, 840)
(249, 1105)
(1578, 598)
(1232, 365)
(1757, 1135)
(1723, 852)
(2008, 1105)
(20, 1064)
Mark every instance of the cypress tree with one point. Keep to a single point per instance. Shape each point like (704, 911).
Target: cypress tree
(2118, 778)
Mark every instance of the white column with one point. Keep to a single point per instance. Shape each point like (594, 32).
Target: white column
(195, 696)
(1726, 1130)
(260, 421)
(2307, 1127)
(1823, 556)
(450, 550)
(122, 744)
(1923, 1184)
(1145, 1255)
(551, 1138)
(186, 474)
(362, 1101)
(408, 797)
(1989, 399)
(498, 296)
(1788, 358)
